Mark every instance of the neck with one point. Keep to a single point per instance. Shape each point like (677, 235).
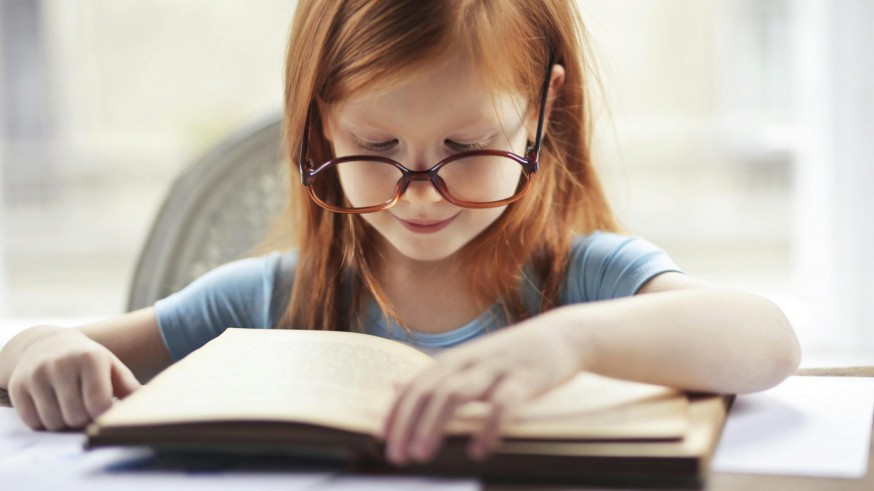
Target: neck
(429, 296)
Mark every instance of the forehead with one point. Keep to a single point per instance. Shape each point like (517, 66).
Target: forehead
(455, 90)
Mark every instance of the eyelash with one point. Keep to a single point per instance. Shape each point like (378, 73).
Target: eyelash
(375, 147)
(383, 146)
(472, 146)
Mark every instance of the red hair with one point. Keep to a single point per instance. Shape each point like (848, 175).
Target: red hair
(338, 47)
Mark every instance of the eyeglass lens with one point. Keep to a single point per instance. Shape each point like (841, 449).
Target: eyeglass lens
(475, 179)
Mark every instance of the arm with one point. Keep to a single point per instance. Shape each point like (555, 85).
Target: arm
(135, 339)
(60, 377)
(682, 333)
(675, 331)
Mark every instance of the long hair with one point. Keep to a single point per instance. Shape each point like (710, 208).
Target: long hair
(337, 47)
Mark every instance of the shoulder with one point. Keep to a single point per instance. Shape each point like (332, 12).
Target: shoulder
(606, 265)
(243, 293)
(249, 274)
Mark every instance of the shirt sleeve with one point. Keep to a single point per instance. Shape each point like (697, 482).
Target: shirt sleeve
(237, 294)
(604, 266)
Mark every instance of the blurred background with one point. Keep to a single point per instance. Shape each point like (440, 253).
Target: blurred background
(736, 134)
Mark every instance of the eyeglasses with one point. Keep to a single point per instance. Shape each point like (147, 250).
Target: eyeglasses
(472, 179)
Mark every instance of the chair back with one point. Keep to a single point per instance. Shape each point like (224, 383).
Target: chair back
(216, 211)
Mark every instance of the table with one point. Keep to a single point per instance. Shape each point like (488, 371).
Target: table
(732, 482)
(717, 481)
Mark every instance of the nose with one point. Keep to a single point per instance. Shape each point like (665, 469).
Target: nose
(421, 190)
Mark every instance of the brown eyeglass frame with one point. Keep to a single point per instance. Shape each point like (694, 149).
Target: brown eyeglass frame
(530, 166)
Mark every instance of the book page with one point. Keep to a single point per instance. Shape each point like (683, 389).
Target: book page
(347, 381)
(337, 379)
(705, 414)
(589, 407)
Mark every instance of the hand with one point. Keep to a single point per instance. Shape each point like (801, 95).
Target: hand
(501, 369)
(64, 380)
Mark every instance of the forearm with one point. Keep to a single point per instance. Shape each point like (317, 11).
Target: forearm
(700, 339)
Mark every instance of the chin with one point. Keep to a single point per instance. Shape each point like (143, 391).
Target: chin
(428, 250)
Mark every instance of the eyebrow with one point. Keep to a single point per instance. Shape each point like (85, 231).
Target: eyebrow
(362, 122)
(470, 124)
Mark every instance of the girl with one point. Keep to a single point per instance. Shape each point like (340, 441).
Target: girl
(447, 192)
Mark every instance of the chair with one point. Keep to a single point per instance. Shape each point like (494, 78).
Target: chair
(217, 210)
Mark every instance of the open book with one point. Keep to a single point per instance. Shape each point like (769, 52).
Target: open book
(327, 393)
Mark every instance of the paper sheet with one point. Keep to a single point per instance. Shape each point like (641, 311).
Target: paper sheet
(806, 426)
(33, 460)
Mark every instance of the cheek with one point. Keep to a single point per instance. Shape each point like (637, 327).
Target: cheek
(376, 220)
(508, 180)
(479, 220)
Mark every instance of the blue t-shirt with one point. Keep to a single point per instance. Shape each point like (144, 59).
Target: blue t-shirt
(254, 292)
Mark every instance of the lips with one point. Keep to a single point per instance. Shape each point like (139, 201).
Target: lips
(426, 226)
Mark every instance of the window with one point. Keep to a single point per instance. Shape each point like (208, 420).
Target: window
(736, 134)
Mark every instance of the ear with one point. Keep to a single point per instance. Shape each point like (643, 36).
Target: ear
(556, 80)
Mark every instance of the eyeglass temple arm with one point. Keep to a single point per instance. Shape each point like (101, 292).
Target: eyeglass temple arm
(542, 117)
(302, 157)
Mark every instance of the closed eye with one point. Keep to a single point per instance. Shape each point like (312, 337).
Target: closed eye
(389, 144)
(467, 147)
(374, 146)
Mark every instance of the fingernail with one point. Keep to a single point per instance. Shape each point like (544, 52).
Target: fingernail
(395, 456)
(421, 450)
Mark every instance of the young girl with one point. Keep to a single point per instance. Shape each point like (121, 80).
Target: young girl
(447, 200)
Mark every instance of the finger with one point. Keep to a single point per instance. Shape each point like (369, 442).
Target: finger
(507, 394)
(427, 433)
(392, 413)
(96, 387)
(402, 389)
(69, 392)
(429, 430)
(410, 403)
(124, 383)
(23, 403)
(408, 406)
(47, 407)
